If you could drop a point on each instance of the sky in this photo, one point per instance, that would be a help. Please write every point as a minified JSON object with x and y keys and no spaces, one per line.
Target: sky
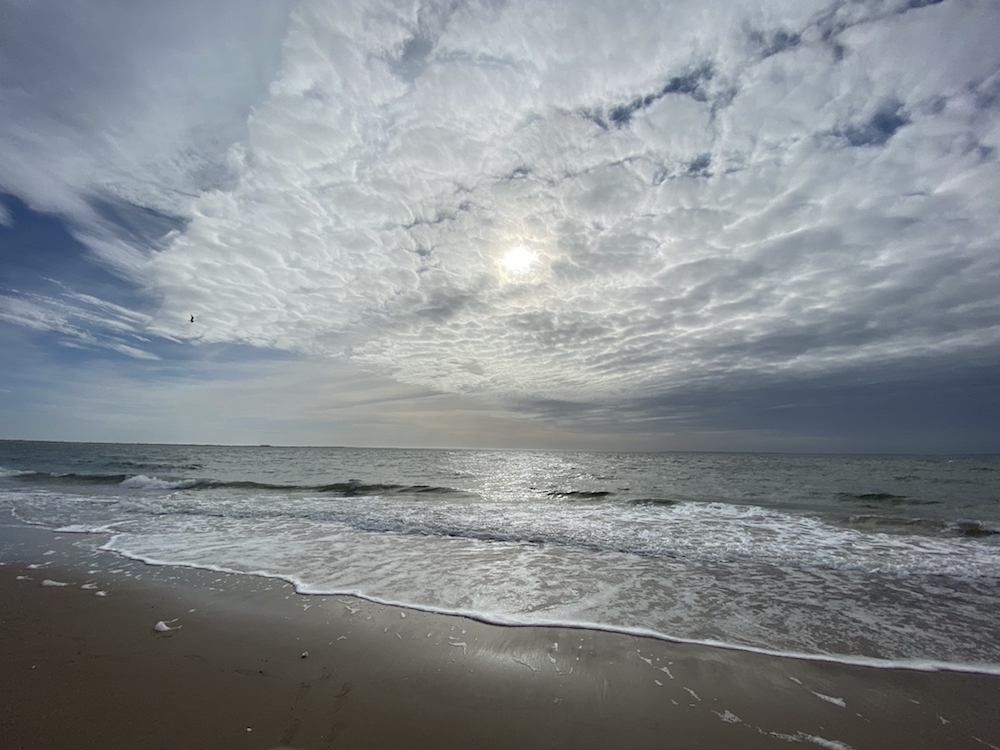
{"x":673,"y":225}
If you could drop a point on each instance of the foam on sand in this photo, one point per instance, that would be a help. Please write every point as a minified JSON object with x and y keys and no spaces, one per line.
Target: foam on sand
{"x":830,"y":699}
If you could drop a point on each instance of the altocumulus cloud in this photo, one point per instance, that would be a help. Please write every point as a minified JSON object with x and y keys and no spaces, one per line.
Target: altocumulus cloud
{"x":701,"y":194}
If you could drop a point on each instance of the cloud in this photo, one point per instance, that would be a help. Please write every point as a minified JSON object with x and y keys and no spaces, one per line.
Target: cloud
{"x":80,"y":320}
{"x":710,"y":192}
{"x":130,"y":102}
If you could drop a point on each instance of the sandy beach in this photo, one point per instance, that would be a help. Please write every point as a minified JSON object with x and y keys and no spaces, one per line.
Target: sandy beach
{"x":97,"y":651}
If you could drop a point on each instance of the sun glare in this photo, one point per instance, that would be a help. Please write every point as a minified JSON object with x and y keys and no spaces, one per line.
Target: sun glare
{"x":518,"y":260}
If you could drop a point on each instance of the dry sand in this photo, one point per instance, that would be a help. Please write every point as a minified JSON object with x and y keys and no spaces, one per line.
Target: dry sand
{"x":83,"y":670}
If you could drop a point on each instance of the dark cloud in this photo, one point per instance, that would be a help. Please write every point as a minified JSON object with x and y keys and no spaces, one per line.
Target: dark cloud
{"x":887,"y":409}
{"x":914,"y":4}
{"x":775,"y":42}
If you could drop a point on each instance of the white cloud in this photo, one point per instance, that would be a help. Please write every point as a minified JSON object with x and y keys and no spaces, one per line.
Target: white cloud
{"x":713,"y":189}
{"x":128,"y":101}
{"x":80,"y":320}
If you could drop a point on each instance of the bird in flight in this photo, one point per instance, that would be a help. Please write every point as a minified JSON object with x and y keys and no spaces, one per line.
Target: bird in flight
{"x":192,"y":318}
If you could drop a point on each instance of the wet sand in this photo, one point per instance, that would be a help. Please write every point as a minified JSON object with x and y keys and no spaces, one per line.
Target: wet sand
{"x":82,"y":665}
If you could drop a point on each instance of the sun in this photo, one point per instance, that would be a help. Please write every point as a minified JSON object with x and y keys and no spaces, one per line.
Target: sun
{"x":518,"y":260}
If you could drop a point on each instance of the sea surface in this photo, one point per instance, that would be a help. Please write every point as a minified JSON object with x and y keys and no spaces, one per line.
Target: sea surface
{"x":887,"y":560}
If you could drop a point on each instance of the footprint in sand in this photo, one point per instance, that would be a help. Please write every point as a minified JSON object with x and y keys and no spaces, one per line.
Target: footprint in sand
{"x":289,"y":733}
{"x":302,"y":692}
{"x":338,"y":703}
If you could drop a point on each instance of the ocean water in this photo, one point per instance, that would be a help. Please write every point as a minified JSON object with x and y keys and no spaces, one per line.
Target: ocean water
{"x":889,"y":560}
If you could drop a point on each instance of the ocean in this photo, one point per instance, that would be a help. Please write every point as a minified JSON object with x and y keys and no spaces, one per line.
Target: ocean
{"x":882,"y":560}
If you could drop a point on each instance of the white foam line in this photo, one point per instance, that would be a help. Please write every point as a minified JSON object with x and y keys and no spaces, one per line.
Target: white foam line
{"x":829,"y":744}
{"x":107,"y":528}
{"x":830,"y":699}
{"x":915,"y":665}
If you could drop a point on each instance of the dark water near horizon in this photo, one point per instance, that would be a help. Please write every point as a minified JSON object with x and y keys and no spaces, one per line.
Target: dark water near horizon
{"x":885,"y":558}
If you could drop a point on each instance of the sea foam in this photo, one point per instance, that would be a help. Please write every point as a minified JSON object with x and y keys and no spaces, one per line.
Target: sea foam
{"x":141,"y":481}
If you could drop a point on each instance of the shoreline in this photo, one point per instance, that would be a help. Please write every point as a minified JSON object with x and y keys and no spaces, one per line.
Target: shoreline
{"x":83,"y":670}
{"x":871,"y":662}
{"x":920,"y":663}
